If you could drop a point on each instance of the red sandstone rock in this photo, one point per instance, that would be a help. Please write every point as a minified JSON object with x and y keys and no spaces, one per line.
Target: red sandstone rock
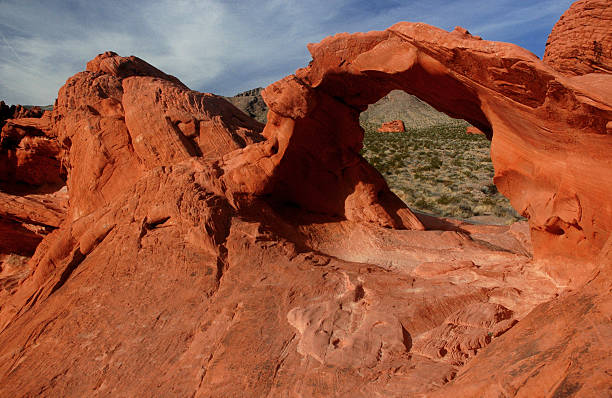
{"x":259,"y":300}
{"x":473,"y":130}
{"x":559,"y":194}
{"x":32,"y":203}
{"x":196,"y":259}
{"x":580,"y":42}
{"x":6,"y":112}
{"x":544,"y":354}
{"x":29,"y":153}
{"x":395,"y":126}
{"x":18,"y":112}
{"x":33,"y":112}
{"x":123,"y":117}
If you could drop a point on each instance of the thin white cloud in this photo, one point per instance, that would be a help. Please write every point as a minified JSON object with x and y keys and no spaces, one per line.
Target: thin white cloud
{"x":525,"y":17}
{"x":214,"y":45}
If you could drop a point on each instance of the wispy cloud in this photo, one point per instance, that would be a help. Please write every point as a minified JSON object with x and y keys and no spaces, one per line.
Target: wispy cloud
{"x":223,"y":46}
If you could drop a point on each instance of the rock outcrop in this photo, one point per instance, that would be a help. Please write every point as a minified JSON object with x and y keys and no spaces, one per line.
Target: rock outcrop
{"x":32,"y":200}
{"x":581,"y":42}
{"x":395,"y":126}
{"x":29,"y":152}
{"x":89,"y":127}
{"x":18,"y":112}
{"x":198,"y":255}
{"x":6,"y":112}
{"x":123,"y":117}
{"x":499,"y":88}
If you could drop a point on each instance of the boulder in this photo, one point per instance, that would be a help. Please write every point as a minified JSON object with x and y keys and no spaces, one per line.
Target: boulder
{"x":395,"y":126}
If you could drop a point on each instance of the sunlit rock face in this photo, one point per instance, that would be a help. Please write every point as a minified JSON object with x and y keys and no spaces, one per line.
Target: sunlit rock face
{"x":193,"y":252}
{"x":580,"y":42}
{"x":536,"y":117}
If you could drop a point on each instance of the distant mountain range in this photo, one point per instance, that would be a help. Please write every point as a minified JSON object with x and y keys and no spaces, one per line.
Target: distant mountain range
{"x":397,"y":105}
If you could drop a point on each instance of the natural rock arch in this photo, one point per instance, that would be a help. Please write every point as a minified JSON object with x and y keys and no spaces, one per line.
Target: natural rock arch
{"x":536,"y":117}
{"x":188,"y":293}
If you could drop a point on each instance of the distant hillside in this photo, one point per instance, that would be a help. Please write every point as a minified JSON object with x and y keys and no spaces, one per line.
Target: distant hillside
{"x":43,"y":107}
{"x":397,"y":105}
{"x":251,"y":103}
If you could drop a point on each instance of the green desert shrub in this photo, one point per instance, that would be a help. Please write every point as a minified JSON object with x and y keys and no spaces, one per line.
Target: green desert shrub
{"x":423,"y":165}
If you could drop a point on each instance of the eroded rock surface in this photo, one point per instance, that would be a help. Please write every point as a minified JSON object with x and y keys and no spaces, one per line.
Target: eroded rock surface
{"x":199,"y":256}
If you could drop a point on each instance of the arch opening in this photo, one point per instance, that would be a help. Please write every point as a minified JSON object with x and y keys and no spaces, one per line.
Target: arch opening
{"x":433,"y":162}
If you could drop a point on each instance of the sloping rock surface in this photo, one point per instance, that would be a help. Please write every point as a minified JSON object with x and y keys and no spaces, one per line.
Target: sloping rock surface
{"x":201,"y":256}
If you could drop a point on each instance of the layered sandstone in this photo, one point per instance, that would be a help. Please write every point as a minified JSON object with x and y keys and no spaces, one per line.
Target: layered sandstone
{"x":201,"y":256}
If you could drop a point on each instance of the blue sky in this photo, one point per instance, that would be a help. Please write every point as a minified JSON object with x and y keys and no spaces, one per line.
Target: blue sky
{"x":227,"y":46}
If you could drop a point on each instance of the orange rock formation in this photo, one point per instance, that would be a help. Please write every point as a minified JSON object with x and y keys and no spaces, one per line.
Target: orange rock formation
{"x":580,"y":43}
{"x":200,"y":254}
{"x":395,"y":126}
